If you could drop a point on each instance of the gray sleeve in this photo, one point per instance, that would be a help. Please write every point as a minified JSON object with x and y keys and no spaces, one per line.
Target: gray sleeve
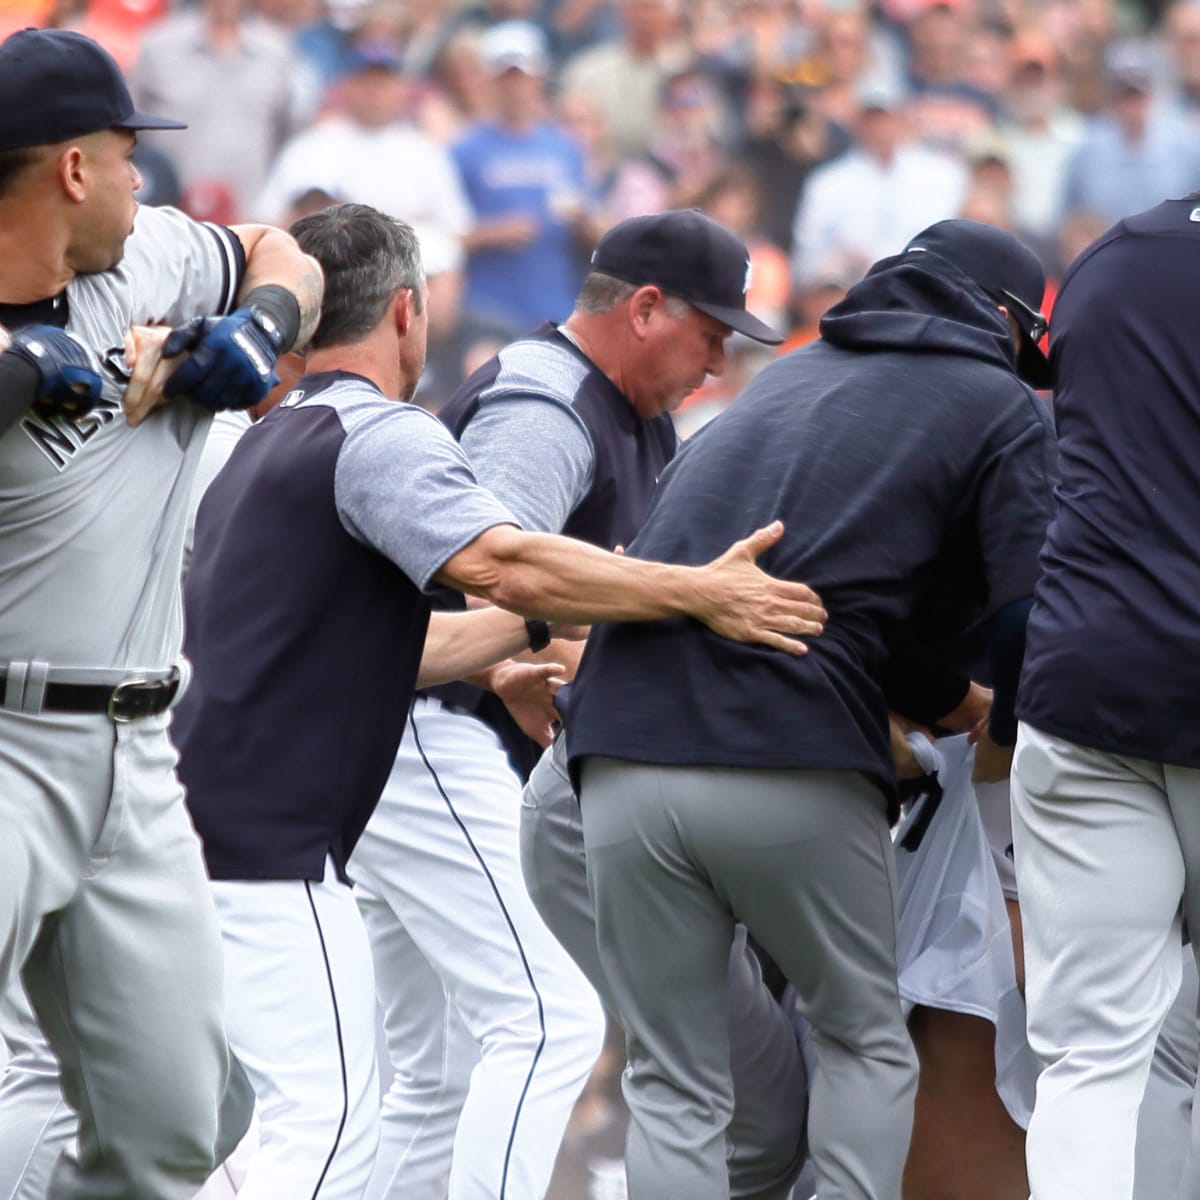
{"x":535,"y":454}
{"x":404,"y":486}
{"x":180,"y":268}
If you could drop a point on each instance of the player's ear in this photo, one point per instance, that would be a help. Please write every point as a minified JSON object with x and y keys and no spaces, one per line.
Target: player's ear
{"x":404,"y":310}
{"x":642,"y":304}
{"x":72,"y":172}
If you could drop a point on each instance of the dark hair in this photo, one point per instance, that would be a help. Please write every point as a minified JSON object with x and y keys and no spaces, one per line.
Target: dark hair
{"x":367,"y":257}
{"x":13,"y":163}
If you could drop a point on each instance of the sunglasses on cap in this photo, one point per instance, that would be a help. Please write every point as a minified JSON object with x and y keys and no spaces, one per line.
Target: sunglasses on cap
{"x":1034,"y":323}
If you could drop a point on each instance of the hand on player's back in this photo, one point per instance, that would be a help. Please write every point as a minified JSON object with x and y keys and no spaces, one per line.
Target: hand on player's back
{"x":740,"y":601}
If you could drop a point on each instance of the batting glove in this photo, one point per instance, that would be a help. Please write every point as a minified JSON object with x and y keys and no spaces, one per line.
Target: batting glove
{"x":231,"y":360}
{"x":69,"y":381}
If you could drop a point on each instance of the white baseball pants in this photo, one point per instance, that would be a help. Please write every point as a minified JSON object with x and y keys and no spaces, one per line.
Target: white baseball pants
{"x":300,"y":1012}
{"x":452,"y":928}
{"x":1106,"y":847}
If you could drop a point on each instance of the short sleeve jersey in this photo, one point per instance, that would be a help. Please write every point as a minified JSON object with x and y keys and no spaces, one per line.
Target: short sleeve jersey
{"x":93,"y":512}
{"x":307,"y":618}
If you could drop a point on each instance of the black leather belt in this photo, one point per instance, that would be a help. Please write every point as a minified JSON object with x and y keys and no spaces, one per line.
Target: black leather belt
{"x":129,"y":700}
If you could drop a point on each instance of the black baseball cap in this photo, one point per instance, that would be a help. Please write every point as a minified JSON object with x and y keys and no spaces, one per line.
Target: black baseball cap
{"x":690,"y":256}
{"x":56,"y":84}
{"x":1007,"y":270}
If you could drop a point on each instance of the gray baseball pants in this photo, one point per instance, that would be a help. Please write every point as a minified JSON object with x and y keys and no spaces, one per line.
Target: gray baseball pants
{"x":1105,"y":846}
{"x":677,"y":855}
{"x":105,"y":911}
{"x":766,"y":1134}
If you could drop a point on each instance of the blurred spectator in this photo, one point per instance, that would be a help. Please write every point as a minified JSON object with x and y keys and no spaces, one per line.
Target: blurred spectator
{"x":945,"y":108}
{"x":1181,"y":26}
{"x":524,"y":178}
{"x":625,"y":75}
{"x":228,"y":74}
{"x":325,"y":45}
{"x":789,"y":135}
{"x":578,"y":24}
{"x":850,"y":56}
{"x":688,"y":149}
{"x":1082,"y":30}
{"x":733,"y":198}
{"x":117,"y":25}
{"x":750,"y":39}
{"x":866,"y":204}
{"x":1133,"y":155}
{"x":457,"y":90}
{"x":1039,"y":131}
{"x":369,"y":155}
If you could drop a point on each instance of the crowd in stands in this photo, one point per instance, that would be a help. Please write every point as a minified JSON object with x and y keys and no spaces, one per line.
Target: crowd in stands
{"x":511,"y":133}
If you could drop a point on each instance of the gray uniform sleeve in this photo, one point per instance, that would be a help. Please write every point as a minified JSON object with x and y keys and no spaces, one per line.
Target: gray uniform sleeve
{"x":404,"y":486}
{"x":180,"y":268}
{"x":535,"y":455}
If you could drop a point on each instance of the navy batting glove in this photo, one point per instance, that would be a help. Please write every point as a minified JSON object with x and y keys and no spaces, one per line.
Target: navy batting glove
{"x":68,"y":375}
{"x":230,"y":360}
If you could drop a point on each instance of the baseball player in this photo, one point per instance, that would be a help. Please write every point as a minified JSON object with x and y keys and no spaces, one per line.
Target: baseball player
{"x":103,"y":903}
{"x":570,"y":429}
{"x":305,"y":666}
{"x":761,"y":790}
{"x":1106,"y":772}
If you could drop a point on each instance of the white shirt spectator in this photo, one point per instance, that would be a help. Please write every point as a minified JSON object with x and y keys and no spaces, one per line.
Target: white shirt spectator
{"x":857,"y":208}
{"x":394,"y":168}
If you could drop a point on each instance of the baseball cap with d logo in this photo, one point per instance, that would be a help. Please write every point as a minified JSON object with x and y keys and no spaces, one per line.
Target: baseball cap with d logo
{"x":56,"y":84}
{"x":690,"y":256}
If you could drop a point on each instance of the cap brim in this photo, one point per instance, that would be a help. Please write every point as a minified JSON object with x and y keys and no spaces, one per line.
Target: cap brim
{"x":141,"y":120}
{"x":1032,"y":365}
{"x":740,"y":321}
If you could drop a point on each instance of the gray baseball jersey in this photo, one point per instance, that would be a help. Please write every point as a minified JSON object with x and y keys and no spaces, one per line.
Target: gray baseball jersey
{"x":75,"y":524}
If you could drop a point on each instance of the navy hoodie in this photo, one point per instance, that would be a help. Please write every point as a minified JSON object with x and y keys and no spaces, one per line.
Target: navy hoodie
{"x":913,"y":472}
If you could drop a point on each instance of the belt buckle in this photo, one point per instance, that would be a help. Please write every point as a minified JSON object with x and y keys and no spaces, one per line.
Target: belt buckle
{"x":115,"y":712}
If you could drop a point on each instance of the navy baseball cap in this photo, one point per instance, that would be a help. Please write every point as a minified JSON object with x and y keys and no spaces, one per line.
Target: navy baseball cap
{"x":56,"y":84}
{"x":1007,"y":270}
{"x":690,"y":256}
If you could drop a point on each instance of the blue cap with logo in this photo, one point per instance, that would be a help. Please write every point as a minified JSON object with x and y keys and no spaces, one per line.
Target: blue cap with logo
{"x":690,"y":256}
{"x":56,"y":84}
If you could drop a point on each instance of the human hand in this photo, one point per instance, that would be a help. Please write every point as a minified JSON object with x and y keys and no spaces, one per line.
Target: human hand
{"x":739,"y":601}
{"x":230,"y":361}
{"x":527,"y":690}
{"x":66,"y":375}
{"x":993,"y":763}
{"x":149,"y":370}
{"x":512,"y":232}
{"x":971,"y":714}
{"x":904,"y":762}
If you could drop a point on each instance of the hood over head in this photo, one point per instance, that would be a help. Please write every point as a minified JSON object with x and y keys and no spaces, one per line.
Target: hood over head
{"x":943,"y":294}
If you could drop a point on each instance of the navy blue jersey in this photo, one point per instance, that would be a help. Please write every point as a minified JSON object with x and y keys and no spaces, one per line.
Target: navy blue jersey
{"x":306,"y":619}
{"x":627,"y":453}
{"x":1111,"y":657}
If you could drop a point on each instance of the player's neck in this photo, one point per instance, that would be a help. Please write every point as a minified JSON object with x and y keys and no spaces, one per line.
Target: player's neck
{"x":32,"y":259}
{"x":366,"y":358}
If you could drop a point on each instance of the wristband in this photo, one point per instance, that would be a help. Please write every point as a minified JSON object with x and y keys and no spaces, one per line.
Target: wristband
{"x":278,"y":312}
{"x":539,"y":634}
